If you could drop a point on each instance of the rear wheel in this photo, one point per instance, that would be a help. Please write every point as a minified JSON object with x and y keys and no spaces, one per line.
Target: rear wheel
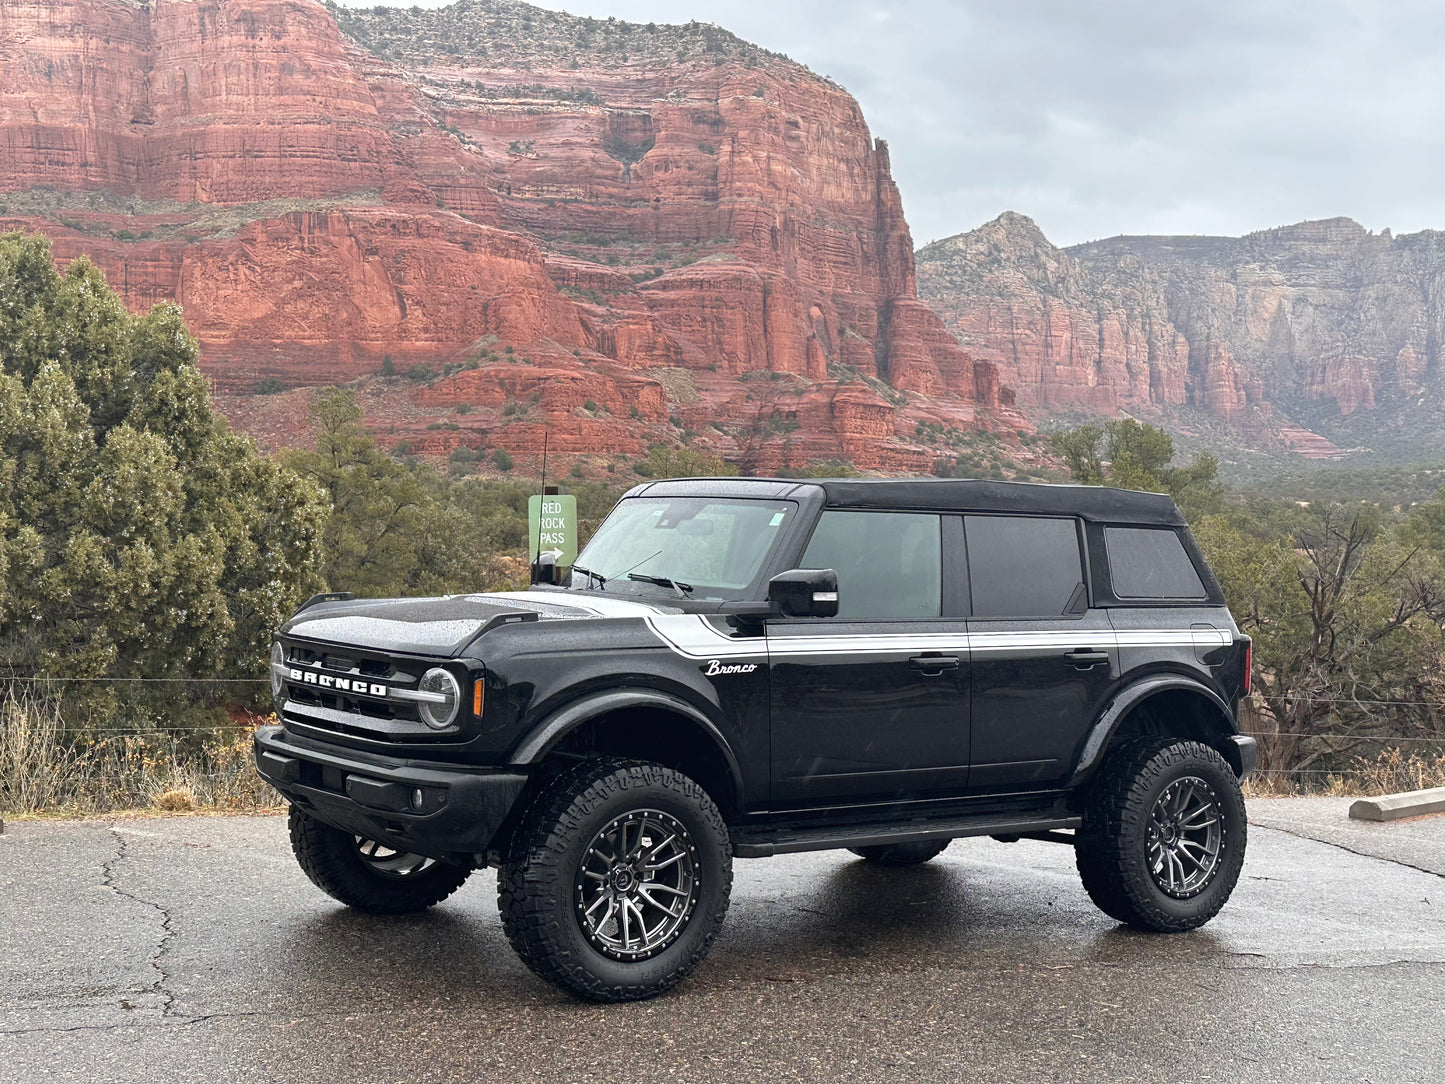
{"x":618,"y":880}
{"x":1164,"y":835}
{"x":903,"y":854}
{"x":367,"y":875}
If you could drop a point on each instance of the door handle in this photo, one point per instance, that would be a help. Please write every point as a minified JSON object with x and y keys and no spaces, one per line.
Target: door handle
{"x":1085,"y":658}
{"x":934,"y":664}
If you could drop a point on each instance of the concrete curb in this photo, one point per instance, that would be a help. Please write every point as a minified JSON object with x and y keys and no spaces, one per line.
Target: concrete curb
{"x":1415,"y":803}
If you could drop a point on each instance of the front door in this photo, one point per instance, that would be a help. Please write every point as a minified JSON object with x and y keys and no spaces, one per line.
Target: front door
{"x":1043,"y":661}
{"x":872,"y":705}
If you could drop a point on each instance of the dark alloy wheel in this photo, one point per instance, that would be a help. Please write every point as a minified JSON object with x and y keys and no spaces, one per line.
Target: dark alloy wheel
{"x":903,"y":854}
{"x":1185,"y":837}
{"x":1164,"y":834}
{"x":618,"y":879}
{"x":367,"y":875}
{"x":637,"y":885}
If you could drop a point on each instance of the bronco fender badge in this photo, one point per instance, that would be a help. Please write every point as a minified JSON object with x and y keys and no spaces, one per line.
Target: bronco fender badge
{"x":714,"y":668}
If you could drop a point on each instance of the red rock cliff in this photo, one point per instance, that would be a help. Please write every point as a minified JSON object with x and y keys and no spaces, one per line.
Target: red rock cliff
{"x":1321,"y":322}
{"x":652,"y":215}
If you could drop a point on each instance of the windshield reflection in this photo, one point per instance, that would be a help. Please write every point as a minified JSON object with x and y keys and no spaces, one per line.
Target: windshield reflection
{"x":698,"y":546}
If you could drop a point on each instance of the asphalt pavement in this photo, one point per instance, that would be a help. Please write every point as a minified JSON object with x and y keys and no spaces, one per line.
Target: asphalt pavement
{"x":192,"y":948}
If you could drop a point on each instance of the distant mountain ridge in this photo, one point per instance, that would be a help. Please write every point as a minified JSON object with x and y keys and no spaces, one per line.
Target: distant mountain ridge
{"x":1322,"y":323}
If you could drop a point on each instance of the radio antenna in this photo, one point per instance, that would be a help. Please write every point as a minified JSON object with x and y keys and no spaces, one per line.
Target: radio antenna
{"x":542,"y":507}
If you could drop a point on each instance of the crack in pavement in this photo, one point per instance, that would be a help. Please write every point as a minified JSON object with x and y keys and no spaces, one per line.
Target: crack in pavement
{"x":1347,"y":850}
{"x":161,"y":985}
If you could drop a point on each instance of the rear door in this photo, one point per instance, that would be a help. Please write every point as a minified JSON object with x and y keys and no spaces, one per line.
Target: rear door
{"x":873,"y":704}
{"x":1043,"y":660}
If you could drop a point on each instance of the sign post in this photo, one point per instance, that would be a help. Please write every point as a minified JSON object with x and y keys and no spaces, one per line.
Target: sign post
{"x":552,"y":527}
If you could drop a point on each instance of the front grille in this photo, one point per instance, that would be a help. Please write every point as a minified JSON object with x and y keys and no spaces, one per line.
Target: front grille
{"x":339,"y":710}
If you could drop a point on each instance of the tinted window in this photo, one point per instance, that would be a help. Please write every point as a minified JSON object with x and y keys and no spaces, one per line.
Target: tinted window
{"x":1021,"y":566}
{"x":1146,"y":563}
{"x":889,"y":564}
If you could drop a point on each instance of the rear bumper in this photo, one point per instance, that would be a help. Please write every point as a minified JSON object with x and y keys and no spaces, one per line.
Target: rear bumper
{"x":438,"y":810}
{"x":1245,"y":754}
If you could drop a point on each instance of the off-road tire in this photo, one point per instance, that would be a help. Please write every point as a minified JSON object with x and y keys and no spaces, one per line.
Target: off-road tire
{"x":1112,"y":847}
{"x":331,"y":859}
{"x":903,"y":854}
{"x":536,"y":886}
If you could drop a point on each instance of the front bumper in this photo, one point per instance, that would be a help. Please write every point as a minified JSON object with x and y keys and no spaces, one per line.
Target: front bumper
{"x":438,"y":810}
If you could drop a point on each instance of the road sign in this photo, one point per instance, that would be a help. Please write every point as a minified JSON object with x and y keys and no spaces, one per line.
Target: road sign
{"x":552,"y":522}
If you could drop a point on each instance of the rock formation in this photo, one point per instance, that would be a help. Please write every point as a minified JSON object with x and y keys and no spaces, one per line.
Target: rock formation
{"x":1323,"y":323}
{"x":584,"y":224}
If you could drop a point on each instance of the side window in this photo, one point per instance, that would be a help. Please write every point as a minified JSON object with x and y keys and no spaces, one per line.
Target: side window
{"x":1022,"y":566}
{"x":1151,"y":563}
{"x":889,"y":564}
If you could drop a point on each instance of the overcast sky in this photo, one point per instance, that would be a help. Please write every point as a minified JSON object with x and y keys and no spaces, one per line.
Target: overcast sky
{"x":1131,"y":116}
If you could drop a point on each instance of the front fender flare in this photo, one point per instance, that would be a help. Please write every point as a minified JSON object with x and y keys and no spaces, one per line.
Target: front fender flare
{"x":540,"y":740}
{"x":1128,"y":698}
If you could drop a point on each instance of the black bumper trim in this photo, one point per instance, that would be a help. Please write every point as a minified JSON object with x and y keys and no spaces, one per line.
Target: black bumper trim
{"x":1248,"y":750}
{"x":461,"y":809}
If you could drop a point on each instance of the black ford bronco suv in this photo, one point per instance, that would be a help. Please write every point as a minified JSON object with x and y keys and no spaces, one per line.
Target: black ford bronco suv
{"x":748,"y":667}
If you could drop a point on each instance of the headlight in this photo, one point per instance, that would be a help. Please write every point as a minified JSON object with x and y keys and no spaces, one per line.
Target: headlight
{"x":443,"y":698}
{"x":278,"y":675}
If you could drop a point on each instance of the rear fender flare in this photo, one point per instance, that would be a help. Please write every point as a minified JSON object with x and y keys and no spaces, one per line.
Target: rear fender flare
{"x":1126,"y":701}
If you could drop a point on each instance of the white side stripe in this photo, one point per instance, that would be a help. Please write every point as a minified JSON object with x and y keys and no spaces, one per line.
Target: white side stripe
{"x":695,"y":637}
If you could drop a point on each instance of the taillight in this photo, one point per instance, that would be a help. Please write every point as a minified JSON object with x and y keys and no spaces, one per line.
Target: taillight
{"x":1248,"y":666}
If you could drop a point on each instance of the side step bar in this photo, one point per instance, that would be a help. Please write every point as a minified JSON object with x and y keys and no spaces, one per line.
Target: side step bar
{"x":762,"y":842}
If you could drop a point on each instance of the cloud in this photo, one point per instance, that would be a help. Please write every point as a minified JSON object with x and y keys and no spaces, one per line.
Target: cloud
{"x":1137,"y":116}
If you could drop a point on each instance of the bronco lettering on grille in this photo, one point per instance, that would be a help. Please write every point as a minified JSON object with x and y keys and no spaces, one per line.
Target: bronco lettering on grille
{"x":340,"y":684}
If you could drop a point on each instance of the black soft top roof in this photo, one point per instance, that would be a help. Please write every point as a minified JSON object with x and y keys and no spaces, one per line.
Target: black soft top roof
{"x":1097,"y":503}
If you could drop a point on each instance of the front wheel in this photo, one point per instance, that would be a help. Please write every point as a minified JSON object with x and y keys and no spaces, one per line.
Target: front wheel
{"x":1164,"y":833}
{"x":367,"y":875}
{"x":618,"y":880}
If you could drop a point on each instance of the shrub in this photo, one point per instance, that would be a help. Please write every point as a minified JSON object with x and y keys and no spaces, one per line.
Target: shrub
{"x":270,"y":386}
{"x":503,"y":459}
{"x":420,"y":373}
{"x":140,"y":536}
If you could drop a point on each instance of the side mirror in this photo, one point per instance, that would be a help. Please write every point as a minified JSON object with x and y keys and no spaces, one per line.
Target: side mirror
{"x":805,"y":592}
{"x":545,"y":570}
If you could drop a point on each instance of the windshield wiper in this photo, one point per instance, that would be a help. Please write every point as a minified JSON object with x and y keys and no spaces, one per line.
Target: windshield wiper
{"x":601,"y":579}
{"x":682,"y":589}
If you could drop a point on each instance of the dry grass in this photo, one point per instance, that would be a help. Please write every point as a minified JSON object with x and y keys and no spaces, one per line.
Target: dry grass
{"x":1392,"y":772}
{"x":46,"y":767}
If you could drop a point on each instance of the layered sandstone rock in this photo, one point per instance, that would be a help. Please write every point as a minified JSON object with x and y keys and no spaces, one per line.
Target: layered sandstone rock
{"x":1065,"y":335}
{"x":1323,"y":320}
{"x":553,"y":206}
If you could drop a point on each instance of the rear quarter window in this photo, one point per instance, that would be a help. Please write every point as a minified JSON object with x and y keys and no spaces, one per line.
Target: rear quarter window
{"x":1022,"y":566}
{"x":1151,"y":563}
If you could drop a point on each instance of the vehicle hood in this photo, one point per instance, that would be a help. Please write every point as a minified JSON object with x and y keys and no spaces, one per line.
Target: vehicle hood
{"x":445,"y":626}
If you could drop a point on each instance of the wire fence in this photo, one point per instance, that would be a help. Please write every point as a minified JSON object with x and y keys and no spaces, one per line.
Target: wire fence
{"x":210,"y":728}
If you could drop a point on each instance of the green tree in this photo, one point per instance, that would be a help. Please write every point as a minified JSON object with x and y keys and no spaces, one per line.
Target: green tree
{"x":139,"y":536}
{"x":665,"y":462}
{"x":1080,"y":449}
{"x":400,"y":529}
{"x":1129,"y":455}
{"x":375,"y":501}
{"x":1345,"y":611}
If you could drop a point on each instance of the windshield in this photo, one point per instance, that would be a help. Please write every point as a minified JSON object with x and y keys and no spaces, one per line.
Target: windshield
{"x":708,"y":546}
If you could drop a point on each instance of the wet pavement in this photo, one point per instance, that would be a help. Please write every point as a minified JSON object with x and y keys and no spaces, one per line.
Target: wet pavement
{"x":193,"y":948}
